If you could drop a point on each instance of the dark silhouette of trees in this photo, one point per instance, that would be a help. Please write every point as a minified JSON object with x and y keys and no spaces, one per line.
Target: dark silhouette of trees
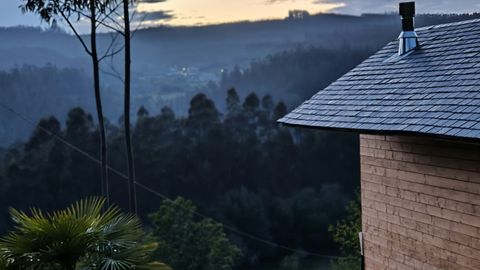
{"x":279,"y":111}
{"x":202,"y":113}
{"x":241,"y":168}
{"x":233,"y":102}
{"x":39,"y":136}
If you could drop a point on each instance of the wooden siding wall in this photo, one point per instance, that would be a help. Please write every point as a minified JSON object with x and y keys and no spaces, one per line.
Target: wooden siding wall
{"x":420,"y":202}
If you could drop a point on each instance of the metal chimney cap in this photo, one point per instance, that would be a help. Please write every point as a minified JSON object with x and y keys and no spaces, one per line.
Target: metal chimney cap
{"x":408,"y":39}
{"x":407,"y":9}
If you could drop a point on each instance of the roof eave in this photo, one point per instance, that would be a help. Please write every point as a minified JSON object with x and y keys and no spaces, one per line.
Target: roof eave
{"x":383,"y":132}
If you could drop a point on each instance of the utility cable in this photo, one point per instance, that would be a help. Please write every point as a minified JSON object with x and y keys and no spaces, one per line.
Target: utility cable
{"x":161,"y":195}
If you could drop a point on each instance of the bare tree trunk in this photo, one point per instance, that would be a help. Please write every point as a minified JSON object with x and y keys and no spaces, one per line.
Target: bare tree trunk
{"x":98,"y":102}
{"x":132,"y":196}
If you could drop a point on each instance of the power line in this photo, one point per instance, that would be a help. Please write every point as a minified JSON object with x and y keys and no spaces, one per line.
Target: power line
{"x":161,"y":195}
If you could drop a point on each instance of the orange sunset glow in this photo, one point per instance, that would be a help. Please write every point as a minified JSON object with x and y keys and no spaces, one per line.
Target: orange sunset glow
{"x":187,"y":12}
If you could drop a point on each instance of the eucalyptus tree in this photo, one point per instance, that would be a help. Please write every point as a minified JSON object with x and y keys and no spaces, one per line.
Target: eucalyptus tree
{"x":112,"y":23}
{"x":96,"y":12}
{"x":126,"y":112}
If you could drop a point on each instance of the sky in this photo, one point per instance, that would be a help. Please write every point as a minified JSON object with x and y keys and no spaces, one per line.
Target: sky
{"x":201,"y":12}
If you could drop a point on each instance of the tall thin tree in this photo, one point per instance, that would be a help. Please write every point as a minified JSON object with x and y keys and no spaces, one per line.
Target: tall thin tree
{"x":111,"y":22}
{"x":127,"y":88}
{"x":69,"y":12}
{"x":98,"y":100}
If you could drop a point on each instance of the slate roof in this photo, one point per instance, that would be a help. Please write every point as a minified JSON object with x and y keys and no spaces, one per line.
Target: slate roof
{"x":432,"y":90}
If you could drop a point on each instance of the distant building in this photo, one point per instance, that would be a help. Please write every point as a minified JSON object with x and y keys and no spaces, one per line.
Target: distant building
{"x":298,"y":14}
{"x":416,"y":104}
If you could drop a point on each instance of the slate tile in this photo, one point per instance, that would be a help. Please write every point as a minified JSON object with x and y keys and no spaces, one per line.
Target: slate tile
{"x":433,"y":90}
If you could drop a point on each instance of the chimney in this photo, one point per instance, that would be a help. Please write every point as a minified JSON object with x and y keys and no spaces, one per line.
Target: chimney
{"x":408,"y":39}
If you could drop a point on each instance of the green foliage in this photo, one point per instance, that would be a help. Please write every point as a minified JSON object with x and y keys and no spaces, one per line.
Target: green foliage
{"x":190,"y":244}
{"x":290,"y":263}
{"x":247,"y":211}
{"x":3,"y":263}
{"x":345,"y":234}
{"x":81,"y":236}
{"x":240,"y":168}
{"x":347,"y":263}
{"x":49,"y":11}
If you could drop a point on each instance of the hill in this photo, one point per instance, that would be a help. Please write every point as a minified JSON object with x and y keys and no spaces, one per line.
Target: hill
{"x":289,"y":59}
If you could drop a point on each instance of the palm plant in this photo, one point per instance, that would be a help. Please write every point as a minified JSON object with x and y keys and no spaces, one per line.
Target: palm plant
{"x":79,"y":237}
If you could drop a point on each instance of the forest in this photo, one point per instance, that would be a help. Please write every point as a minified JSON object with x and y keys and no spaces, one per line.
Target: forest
{"x":290,"y":59}
{"x":291,"y":76}
{"x":238,"y":167}
{"x":294,"y":75}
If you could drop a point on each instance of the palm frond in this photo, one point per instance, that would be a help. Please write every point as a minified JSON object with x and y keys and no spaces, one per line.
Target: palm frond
{"x":82,"y":234}
{"x":155,"y":266}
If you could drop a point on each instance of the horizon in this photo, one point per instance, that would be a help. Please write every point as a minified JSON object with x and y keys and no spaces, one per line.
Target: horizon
{"x":44,"y":27}
{"x":214,"y":12}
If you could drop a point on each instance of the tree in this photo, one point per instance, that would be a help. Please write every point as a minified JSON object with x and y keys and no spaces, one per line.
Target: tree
{"x":142,"y":112}
{"x":167,"y":114}
{"x":266,"y":113}
{"x":79,"y":125}
{"x":132,"y":194}
{"x":290,"y":263}
{"x":247,"y":211}
{"x":79,"y":236}
{"x":187,"y":243}
{"x":251,"y":107}
{"x":79,"y":176}
{"x":279,"y":111}
{"x":251,"y":103}
{"x":279,"y":171}
{"x":267,"y":103}
{"x":233,"y":102}
{"x":202,"y":112}
{"x":69,"y":11}
{"x":345,"y":233}
{"x":39,"y":136}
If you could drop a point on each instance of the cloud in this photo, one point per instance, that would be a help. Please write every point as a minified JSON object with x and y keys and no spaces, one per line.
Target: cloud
{"x":159,"y":15}
{"x":425,"y":6}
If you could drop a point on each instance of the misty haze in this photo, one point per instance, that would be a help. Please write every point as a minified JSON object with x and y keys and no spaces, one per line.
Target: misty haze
{"x":184,"y":145}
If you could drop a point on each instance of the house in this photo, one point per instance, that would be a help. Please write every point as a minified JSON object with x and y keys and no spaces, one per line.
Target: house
{"x":416,"y":106}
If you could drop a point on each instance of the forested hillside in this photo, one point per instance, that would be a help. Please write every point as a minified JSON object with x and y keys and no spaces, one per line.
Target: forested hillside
{"x":289,"y":59}
{"x":41,"y":91}
{"x":295,"y":75}
{"x":212,"y":47}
